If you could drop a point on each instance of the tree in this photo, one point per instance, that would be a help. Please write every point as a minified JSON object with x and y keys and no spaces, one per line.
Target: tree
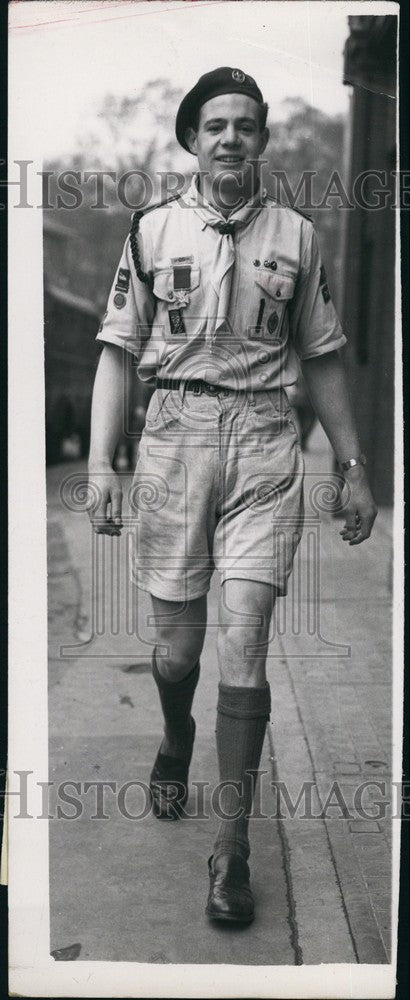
{"x":137,"y":134}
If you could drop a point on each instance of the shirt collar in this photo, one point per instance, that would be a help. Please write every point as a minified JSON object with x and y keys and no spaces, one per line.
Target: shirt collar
{"x":194,"y":198}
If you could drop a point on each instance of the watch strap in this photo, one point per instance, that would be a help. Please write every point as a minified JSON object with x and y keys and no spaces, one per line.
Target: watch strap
{"x":351,"y":462}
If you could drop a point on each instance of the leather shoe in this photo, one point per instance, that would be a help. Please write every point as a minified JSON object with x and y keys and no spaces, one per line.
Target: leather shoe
{"x":169,"y":784}
{"x":230,"y":896}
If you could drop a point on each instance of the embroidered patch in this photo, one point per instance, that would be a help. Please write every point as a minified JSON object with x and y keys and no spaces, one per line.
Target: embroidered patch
{"x":119,"y":300}
{"x":176,"y":323}
{"x":273,"y":322}
{"x":123,"y":280}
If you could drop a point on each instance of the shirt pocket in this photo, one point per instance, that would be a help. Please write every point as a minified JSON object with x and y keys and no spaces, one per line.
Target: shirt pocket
{"x":272,"y":294}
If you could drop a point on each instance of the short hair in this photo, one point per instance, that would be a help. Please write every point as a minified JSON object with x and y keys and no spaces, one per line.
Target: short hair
{"x":262,"y":110}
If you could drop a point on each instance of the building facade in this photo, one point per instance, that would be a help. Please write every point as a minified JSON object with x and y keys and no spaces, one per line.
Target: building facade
{"x":369,"y":282}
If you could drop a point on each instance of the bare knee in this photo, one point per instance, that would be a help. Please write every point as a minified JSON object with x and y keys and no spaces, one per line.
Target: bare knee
{"x":178,"y":649}
{"x":242,"y":655}
{"x":180,"y":633}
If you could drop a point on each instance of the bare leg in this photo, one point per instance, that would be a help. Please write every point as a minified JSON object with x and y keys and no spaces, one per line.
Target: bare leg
{"x":180,"y":627}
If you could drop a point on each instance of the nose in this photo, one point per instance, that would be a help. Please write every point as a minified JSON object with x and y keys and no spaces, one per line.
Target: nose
{"x":230,"y":136}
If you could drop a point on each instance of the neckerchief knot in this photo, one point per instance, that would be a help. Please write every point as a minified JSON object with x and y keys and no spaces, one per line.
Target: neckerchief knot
{"x":226,"y":228}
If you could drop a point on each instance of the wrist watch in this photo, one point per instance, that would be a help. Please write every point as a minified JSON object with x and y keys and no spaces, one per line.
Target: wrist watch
{"x":351,"y":462}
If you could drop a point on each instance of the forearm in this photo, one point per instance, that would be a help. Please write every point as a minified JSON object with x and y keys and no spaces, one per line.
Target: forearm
{"x":107,"y":406}
{"x":327,"y":387}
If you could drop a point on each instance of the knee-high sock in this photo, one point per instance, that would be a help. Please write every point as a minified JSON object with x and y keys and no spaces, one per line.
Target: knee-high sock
{"x":240,"y":729}
{"x":176,"y":701}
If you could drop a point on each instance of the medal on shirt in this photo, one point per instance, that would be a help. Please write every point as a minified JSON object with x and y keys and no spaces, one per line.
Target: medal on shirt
{"x":181,"y":268}
{"x":181,"y":284}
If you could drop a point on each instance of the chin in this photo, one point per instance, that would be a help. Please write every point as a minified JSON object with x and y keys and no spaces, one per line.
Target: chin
{"x":230,"y":177}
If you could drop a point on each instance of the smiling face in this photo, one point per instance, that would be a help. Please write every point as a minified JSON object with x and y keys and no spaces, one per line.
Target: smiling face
{"x":228,"y":138}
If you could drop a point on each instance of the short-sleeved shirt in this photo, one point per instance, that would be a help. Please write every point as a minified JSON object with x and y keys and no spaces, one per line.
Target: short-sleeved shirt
{"x":279,"y":303}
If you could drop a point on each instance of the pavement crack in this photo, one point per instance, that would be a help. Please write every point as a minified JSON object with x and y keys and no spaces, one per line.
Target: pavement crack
{"x":285,"y":852}
{"x":330,"y":846}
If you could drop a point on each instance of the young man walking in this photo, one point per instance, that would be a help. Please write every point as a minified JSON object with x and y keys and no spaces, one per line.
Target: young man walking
{"x":216,"y":293}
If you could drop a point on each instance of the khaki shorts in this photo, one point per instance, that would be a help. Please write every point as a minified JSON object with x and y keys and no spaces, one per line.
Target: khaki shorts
{"x":218,"y":484}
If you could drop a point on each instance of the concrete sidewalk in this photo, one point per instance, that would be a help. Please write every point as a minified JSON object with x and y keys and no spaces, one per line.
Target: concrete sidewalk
{"x":135,"y":890}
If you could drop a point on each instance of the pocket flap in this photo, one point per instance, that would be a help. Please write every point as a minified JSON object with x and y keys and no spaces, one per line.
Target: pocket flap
{"x":164,"y":284}
{"x":279,"y":286}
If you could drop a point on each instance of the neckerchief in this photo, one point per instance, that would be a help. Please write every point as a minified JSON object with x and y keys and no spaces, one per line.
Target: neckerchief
{"x":224,"y":255}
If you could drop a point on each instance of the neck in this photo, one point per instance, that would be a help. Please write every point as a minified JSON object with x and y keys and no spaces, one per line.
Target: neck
{"x":226,"y":196}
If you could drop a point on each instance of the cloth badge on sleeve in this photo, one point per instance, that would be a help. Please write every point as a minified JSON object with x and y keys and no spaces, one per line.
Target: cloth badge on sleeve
{"x":123,"y":280}
{"x":119,"y":300}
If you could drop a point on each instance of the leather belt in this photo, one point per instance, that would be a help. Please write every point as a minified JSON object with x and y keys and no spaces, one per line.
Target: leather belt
{"x":197,"y":386}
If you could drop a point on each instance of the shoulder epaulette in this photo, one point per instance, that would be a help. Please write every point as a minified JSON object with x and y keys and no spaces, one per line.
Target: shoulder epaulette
{"x":144,"y":276}
{"x":291,"y":207}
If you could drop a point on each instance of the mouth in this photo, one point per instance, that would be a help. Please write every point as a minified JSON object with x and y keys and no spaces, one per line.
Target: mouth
{"x":230,"y":161}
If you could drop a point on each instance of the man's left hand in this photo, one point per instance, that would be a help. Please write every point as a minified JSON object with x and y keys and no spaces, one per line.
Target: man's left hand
{"x":361,"y":510}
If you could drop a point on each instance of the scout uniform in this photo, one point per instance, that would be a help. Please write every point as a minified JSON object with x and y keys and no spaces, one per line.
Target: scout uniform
{"x":216,"y":325}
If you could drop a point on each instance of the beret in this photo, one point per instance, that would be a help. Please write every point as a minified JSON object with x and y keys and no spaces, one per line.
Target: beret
{"x":224,"y":80}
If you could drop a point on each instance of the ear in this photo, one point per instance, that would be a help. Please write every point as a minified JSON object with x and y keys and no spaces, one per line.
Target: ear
{"x":264,"y":140}
{"x":190,"y":139}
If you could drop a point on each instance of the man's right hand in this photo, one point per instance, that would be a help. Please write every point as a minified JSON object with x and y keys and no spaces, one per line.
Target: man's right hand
{"x":105,"y":500}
